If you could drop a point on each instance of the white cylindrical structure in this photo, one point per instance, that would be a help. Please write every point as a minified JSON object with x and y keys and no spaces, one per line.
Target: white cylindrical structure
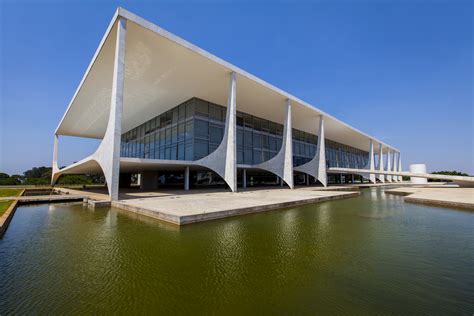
{"x":418,"y":168}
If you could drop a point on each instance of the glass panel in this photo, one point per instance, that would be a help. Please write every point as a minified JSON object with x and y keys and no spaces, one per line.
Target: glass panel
{"x":215,"y":113}
{"x":174,"y":149}
{"x":248,"y":122}
{"x":201,"y":149}
{"x":188,"y":152}
{"x":256,"y":140}
{"x":257,"y":123}
{"x":202,"y":107}
{"x":248,"y":156}
{"x":257,"y":156}
{"x":248,"y":138}
{"x":181,"y":112}
{"x":240,"y":156}
{"x":189,"y":130}
{"x":181,"y":133}
{"x":240,"y":138}
{"x":212,"y":147}
{"x":216,"y":133}
{"x":201,"y":128}
{"x":181,"y":151}
{"x":190,"y":109}
{"x":174,"y":134}
{"x":168,"y":136}
{"x":175,"y":115}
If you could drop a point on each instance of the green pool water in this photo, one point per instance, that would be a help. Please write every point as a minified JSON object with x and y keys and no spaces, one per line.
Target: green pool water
{"x":373,"y":254}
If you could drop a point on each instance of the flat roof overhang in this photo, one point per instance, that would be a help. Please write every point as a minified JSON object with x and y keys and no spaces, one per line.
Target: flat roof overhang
{"x":163,"y":70}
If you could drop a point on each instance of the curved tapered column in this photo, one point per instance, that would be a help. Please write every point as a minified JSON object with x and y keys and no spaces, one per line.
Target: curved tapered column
{"x":381,"y":177}
{"x":107,"y":154}
{"x":370,"y":164}
{"x":316,"y":167}
{"x":388,"y":177}
{"x":55,"y":167}
{"x":282,"y":164}
{"x":223,"y":160}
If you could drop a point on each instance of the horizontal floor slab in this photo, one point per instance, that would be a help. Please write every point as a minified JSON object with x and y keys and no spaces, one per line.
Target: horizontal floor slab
{"x":207,"y":205}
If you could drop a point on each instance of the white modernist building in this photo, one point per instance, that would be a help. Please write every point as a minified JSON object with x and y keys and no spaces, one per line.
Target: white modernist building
{"x":175,"y":113}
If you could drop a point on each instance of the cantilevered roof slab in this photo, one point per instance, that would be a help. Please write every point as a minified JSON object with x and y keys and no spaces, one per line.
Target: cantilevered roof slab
{"x":162,"y":71}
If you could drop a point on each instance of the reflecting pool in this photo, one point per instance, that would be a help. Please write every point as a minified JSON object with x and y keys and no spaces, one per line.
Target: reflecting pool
{"x":363,"y":255}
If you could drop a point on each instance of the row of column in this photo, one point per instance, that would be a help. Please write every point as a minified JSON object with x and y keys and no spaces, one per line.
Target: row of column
{"x":391,"y":155}
{"x":223,"y":160}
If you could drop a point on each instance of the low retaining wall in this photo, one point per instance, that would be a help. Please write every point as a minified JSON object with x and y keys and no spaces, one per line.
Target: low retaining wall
{"x":6,"y":218}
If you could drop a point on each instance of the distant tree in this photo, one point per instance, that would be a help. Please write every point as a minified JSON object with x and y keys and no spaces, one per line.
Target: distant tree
{"x":9,"y":181}
{"x":451,"y":173}
{"x":4,"y":175}
{"x":38,"y":172}
{"x":36,"y":181}
{"x":96,"y":178}
{"x":74,"y":179}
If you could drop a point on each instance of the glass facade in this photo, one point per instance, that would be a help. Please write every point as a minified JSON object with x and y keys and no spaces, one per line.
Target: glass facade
{"x":194,"y":129}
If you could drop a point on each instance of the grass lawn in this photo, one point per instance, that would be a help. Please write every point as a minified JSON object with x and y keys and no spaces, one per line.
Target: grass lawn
{"x":9,"y":192}
{"x":4,"y":205}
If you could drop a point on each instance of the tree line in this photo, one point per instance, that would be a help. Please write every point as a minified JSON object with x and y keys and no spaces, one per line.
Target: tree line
{"x":42,"y":176}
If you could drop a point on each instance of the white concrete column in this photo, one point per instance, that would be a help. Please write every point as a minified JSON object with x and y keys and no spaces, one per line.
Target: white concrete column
{"x":381,"y":177}
{"x":108,"y":153}
{"x":186,"y":178}
{"x":389,"y":166}
{"x":244,"y":178}
{"x":394,"y":166}
{"x":55,"y":167}
{"x":223,"y":160}
{"x":317,"y":166}
{"x":282,"y":164}
{"x":371,"y":163}
{"x":400,"y":178}
{"x":288,"y":143}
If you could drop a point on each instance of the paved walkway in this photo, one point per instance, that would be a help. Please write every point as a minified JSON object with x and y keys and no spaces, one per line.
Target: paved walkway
{"x":448,"y":196}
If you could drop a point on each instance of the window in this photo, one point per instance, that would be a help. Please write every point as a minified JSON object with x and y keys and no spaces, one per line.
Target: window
{"x":240,"y":138}
{"x":181,"y":112}
{"x":202,"y":107}
{"x":189,"y":109}
{"x":215,"y":113}
{"x":257,"y":156}
{"x":174,"y":149}
{"x":189,"y":130}
{"x":181,"y":131}
{"x":175,"y":116}
{"x":216,"y":134}
{"x":240,"y":156}
{"x":188,"y":152}
{"x":248,"y":138}
{"x":201,"y":149}
{"x":201,"y":128}
{"x":248,"y":160}
{"x":256,"y":140}
{"x":174,"y":134}
{"x":168,"y":136}
{"x":181,"y":151}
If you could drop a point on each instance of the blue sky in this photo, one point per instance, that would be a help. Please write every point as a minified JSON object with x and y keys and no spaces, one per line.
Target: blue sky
{"x":399,"y":70}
